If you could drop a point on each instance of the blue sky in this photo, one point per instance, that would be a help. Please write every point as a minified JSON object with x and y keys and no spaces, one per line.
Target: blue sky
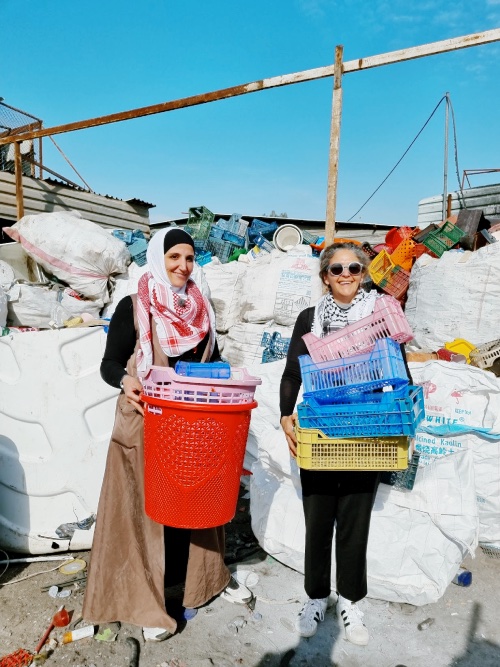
{"x":268,"y":150}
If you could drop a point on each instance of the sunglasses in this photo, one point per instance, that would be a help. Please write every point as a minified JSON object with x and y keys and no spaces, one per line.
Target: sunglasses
{"x":354,"y":268}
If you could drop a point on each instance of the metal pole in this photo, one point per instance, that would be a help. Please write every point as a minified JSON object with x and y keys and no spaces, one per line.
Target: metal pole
{"x":333,"y":164}
{"x":445,"y":167}
{"x":18,"y":166}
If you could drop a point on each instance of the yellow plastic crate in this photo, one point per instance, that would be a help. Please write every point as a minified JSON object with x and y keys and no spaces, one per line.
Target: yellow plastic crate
{"x":315,"y":451}
{"x":460,"y":346}
{"x":381,"y":266}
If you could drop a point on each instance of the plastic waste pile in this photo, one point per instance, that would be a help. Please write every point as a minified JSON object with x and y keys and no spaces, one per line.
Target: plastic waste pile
{"x":230,"y":239}
{"x":61,"y":270}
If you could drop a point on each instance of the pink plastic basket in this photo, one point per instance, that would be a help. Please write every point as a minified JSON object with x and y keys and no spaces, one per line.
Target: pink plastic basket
{"x":386,"y":321}
{"x":164,"y":383}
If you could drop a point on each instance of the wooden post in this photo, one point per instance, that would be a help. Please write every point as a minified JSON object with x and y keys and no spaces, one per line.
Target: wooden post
{"x":448,"y":207}
{"x":40,"y":157}
{"x":333,"y":164}
{"x":18,"y":166}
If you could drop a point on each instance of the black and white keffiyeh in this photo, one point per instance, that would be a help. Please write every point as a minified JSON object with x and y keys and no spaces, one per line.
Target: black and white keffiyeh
{"x":330,"y":317}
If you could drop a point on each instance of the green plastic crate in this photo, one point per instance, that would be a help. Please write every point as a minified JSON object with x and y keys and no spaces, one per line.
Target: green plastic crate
{"x":199,"y":222}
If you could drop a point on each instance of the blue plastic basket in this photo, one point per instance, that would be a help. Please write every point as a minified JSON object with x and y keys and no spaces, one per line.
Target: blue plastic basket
{"x":216,"y":232}
{"x":402,"y":479}
{"x":138,"y":251}
{"x":234,"y":224}
{"x":333,"y":381}
{"x":215,"y":369}
{"x":275,"y":347}
{"x":383,"y":413}
{"x":124,"y":235}
{"x":203,"y":257}
{"x":263,"y":244}
{"x":235,"y":239}
{"x":267,"y":229}
{"x":221,"y":249}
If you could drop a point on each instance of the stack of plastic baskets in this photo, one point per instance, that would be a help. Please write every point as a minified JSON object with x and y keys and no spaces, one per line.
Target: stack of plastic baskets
{"x":386,"y":321}
{"x":486,"y":356}
{"x":195,"y":433}
{"x":390,"y":277}
{"x":443,"y":238}
{"x":359,"y":411}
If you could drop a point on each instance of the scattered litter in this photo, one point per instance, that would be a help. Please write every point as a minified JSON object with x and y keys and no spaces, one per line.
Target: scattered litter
{"x":77,"y":565}
{"x":20,"y":658}
{"x":426,"y":624}
{"x":81,"y":633}
{"x":454,"y":613}
{"x":53,"y":591}
{"x":106,"y":636}
{"x":66,"y":530}
{"x":246,"y":578}
{"x":237,"y":624}
{"x":36,"y":559}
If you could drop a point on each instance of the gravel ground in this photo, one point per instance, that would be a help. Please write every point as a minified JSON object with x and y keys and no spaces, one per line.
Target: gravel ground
{"x":460,"y":630}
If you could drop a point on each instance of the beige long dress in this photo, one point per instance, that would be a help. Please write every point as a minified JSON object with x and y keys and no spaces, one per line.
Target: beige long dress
{"x":127,"y":566}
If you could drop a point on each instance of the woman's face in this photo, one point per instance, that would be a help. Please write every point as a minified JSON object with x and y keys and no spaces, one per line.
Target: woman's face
{"x":344,"y":287}
{"x":179,"y":262}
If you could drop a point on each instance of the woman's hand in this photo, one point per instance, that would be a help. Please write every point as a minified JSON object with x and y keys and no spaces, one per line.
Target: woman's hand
{"x":287,"y":424}
{"x":132,"y":389}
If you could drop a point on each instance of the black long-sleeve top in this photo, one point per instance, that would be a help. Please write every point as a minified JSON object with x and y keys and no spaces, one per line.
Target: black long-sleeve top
{"x":120,"y":345}
{"x":291,"y":379}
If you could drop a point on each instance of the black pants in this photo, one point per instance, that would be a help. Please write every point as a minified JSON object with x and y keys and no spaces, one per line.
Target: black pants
{"x":343,"y":500}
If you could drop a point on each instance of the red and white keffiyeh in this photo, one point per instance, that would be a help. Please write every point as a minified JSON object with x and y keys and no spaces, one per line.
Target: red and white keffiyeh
{"x":182,"y":317}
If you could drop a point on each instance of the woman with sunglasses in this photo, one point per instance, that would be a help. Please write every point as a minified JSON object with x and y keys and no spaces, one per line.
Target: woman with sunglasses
{"x":341,"y":499}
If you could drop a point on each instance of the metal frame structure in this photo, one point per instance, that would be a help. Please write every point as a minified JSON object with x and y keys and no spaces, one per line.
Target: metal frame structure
{"x":470,"y":172}
{"x":337,"y":70}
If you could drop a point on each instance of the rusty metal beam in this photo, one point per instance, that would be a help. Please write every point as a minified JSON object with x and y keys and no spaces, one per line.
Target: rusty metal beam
{"x":333,"y":163}
{"x":18,"y":166}
{"x":195,"y":100}
{"x":431,"y":49}
{"x":13,"y":132}
{"x":434,"y":48}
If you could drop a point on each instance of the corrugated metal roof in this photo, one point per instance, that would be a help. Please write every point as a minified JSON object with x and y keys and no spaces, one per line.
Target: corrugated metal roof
{"x":300,"y":222}
{"x":133,"y":201}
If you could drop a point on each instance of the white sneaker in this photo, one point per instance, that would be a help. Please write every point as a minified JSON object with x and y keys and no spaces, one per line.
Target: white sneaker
{"x":350,"y":619}
{"x":312,"y":613}
{"x":236,"y":593}
{"x":156,"y":634}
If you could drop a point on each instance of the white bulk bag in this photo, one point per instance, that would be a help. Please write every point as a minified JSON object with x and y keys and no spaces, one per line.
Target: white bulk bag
{"x":417,"y":540}
{"x":75,"y":250}
{"x":458,"y":398}
{"x":280,"y":288}
{"x":37,"y":306}
{"x":246,"y":342}
{"x":226,"y":288}
{"x":456,"y":296}
{"x":3,"y":308}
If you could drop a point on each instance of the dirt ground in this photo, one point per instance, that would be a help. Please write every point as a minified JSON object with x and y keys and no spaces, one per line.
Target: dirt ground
{"x":460,"y":630}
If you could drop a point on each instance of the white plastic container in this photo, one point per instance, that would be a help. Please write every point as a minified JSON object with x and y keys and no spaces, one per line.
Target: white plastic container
{"x":287,"y":237}
{"x":56,"y":417}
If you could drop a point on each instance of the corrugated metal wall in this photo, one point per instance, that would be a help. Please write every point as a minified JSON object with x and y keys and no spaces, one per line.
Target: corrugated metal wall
{"x":44,"y":197}
{"x":486,"y":198}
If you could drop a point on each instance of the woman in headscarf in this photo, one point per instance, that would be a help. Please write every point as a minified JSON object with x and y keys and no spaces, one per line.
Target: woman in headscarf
{"x":133,"y":557}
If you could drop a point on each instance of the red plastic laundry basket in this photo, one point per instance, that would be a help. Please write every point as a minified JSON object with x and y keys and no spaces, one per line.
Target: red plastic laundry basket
{"x":193,"y":460}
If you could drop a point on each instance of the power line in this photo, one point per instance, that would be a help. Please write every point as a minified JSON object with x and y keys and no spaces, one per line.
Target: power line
{"x":400,"y":159}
